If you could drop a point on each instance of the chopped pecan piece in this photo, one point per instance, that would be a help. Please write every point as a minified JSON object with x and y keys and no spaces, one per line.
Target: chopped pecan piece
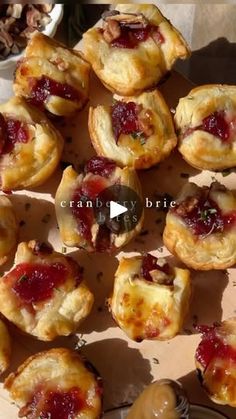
{"x":145,"y":122}
{"x":112,"y":30}
{"x":186,"y":206}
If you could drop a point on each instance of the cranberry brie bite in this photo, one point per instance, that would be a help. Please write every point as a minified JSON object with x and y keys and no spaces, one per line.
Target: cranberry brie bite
{"x":8,"y":229}
{"x":5,"y":348}
{"x":30,"y":146}
{"x":150,"y":299}
{"x":78,"y":208}
{"x":44,"y":294}
{"x":134,"y":131}
{"x":56,"y":384}
{"x":134,"y":48}
{"x":52,"y":77}
{"x":206,"y":124}
{"x":216,"y":361}
{"x":201,"y":229}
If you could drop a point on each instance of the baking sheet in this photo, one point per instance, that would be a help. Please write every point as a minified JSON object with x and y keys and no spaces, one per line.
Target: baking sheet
{"x":126,"y":366}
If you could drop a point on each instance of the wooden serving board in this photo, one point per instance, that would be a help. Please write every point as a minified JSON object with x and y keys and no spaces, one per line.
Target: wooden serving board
{"x":126,"y":367}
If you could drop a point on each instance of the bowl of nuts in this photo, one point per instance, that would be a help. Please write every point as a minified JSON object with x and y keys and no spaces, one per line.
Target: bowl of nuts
{"x":18,"y":22}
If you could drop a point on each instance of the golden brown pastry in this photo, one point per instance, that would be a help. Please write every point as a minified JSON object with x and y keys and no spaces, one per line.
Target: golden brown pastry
{"x":150,"y":299}
{"x":134,"y":131}
{"x":8,"y":229}
{"x":201,"y":229}
{"x":134,"y":49}
{"x":56,"y":384}
{"x":78,"y":212}
{"x":5,"y":348}
{"x":44,"y":294}
{"x":216,"y":361}
{"x":52,"y":77}
{"x":206,"y":123}
{"x":30,"y":146}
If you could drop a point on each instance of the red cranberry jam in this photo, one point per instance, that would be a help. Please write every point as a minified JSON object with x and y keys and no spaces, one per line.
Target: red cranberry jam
{"x":216,"y":124}
{"x":204,"y":217}
{"x":12,"y":131}
{"x":124,"y":118}
{"x":101,"y":168}
{"x":149,"y":263}
{"x":132,"y":37}
{"x":55,"y":405}
{"x":36,"y":282}
{"x":45,"y":86}
{"x":212,"y":346}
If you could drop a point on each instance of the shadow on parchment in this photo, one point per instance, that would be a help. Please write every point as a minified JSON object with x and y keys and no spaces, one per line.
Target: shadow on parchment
{"x":124,"y":371}
{"x":214,"y":63}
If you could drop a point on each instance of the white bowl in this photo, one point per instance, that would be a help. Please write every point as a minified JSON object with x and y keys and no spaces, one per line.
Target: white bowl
{"x":50,"y":30}
{"x":196,"y":412}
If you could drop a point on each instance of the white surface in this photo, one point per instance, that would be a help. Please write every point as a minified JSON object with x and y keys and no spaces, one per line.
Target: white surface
{"x":50,"y":30}
{"x":197,"y":412}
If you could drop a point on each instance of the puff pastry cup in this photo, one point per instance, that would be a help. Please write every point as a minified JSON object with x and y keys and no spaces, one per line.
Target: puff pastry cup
{"x":134,"y":131}
{"x":216,"y":361}
{"x":30,"y":146}
{"x":44,"y":294}
{"x":78,"y":224}
{"x":150,"y":299}
{"x":8,"y":229}
{"x":55,"y":384}
{"x":5,"y":347}
{"x":52,"y":76}
{"x":135,"y":48}
{"x":205,"y":120}
{"x":201,"y":229}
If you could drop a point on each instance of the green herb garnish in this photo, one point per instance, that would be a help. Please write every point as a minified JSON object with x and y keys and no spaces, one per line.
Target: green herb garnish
{"x":139,"y":136}
{"x":206,"y":213}
{"x":63,"y":249}
{"x":23,"y":278}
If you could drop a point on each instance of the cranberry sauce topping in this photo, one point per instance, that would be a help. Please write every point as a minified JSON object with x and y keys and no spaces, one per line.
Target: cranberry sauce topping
{"x":55,"y":405}
{"x":45,"y":86}
{"x":124,"y":118}
{"x":203,"y":215}
{"x":132,"y":37}
{"x":84,"y":215}
{"x":100,"y":166}
{"x":212,"y":346}
{"x":12,"y":131}
{"x":35,"y":283}
{"x":149,"y":263}
{"x":216,"y":124}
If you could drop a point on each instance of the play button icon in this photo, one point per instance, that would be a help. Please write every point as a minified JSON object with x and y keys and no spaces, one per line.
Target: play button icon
{"x":116,"y":209}
{"x":119,"y":208}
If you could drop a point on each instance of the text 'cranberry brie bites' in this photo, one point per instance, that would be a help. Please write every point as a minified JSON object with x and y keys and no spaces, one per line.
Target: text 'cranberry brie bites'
{"x":150,"y":299}
{"x":206,"y":121}
{"x":134,"y":131}
{"x":44,"y":294}
{"x":8,"y":229}
{"x":52,"y":76}
{"x":135,"y":47}
{"x":56,"y":384}
{"x":30,"y":146}
{"x":201,"y":229}
{"x":5,"y":347}
{"x":76,"y":205}
{"x":216,"y":361}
